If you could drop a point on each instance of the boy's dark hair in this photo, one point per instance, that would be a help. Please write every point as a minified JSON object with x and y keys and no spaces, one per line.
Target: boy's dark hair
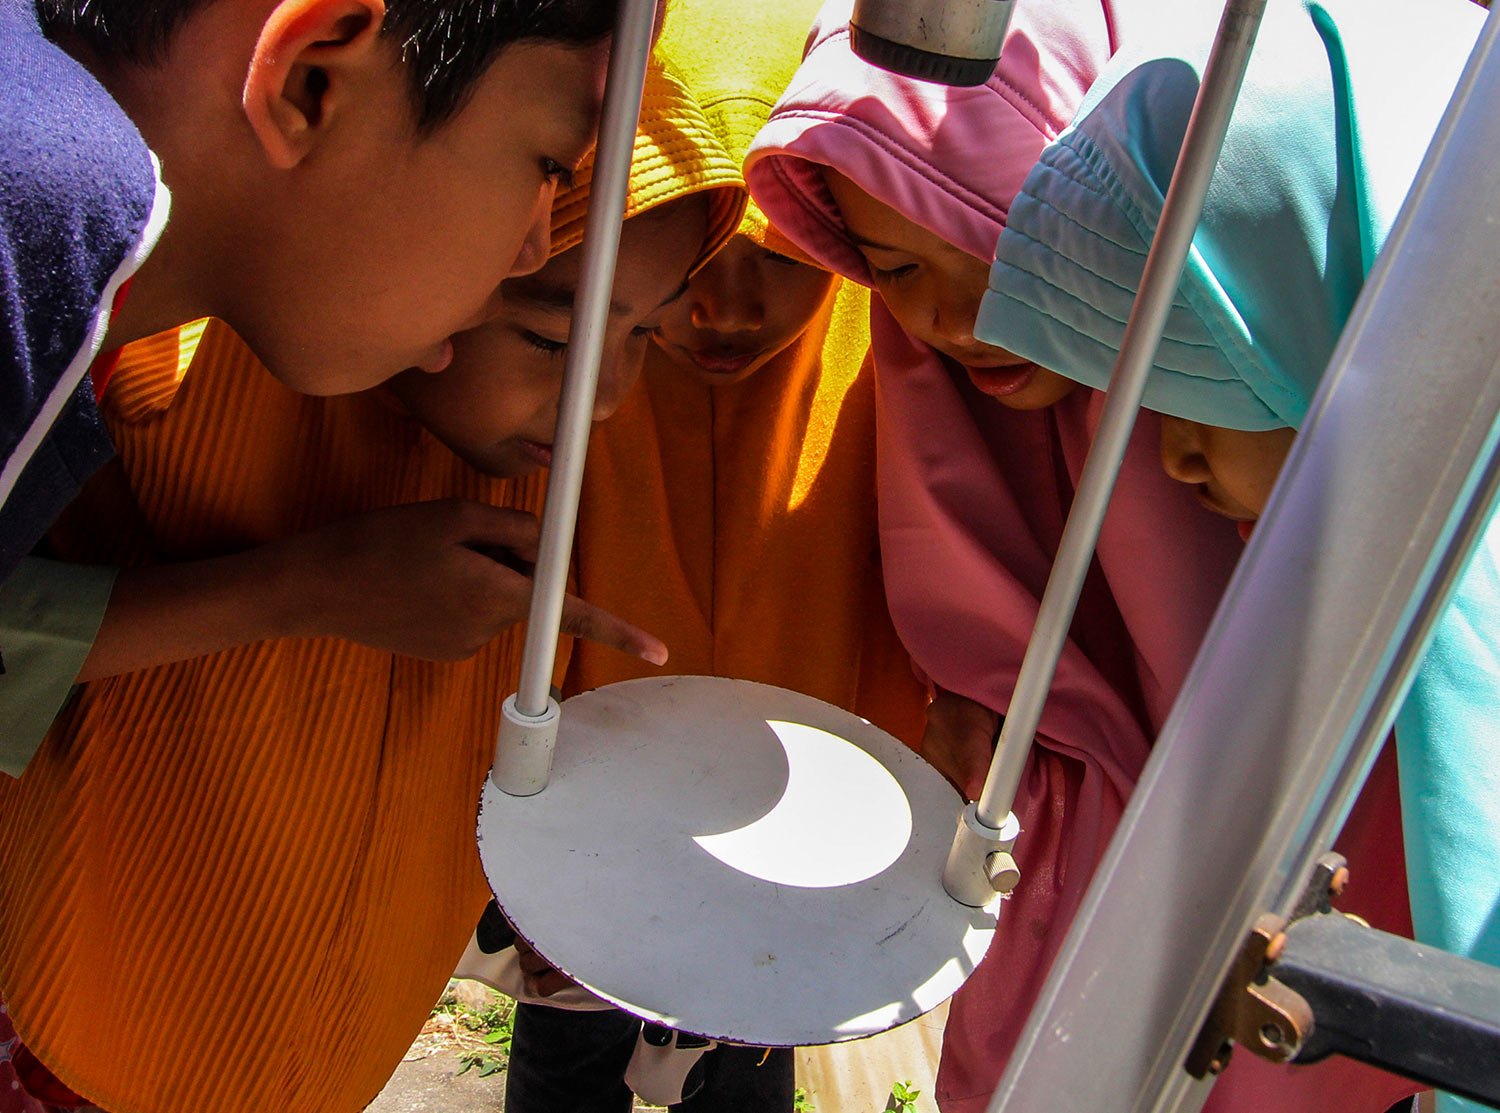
{"x":447,"y":45}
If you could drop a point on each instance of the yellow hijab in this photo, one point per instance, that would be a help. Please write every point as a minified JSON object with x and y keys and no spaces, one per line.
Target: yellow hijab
{"x":677,"y":154}
{"x":737,"y":61}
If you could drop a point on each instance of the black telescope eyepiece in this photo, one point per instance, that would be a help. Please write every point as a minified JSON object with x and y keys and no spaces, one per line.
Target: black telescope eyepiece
{"x":952,"y":42}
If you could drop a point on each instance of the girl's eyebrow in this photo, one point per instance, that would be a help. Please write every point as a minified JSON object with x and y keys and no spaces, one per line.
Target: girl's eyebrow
{"x":673,"y":296}
{"x":553,"y":299}
{"x":861,"y":241}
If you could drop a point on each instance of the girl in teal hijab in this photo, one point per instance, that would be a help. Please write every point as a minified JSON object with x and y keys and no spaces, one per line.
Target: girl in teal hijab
{"x":1339,"y":104}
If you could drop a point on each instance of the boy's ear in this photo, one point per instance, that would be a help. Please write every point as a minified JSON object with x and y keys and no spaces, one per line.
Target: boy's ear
{"x":299,"y":72}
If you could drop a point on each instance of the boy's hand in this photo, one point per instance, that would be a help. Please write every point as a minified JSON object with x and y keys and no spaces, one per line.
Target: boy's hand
{"x":409,"y":579}
{"x":413,"y":579}
{"x":960,"y":740}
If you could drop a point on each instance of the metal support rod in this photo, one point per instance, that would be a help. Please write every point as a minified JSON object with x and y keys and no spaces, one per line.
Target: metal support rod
{"x":601,"y":242}
{"x":1387,"y":486}
{"x":1381,"y":999}
{"x":1201,"y":144}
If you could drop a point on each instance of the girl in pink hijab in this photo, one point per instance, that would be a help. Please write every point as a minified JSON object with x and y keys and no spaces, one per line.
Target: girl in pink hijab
{"x":905,"y":186}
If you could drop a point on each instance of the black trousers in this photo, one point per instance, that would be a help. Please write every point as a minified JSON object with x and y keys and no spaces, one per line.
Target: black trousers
{"x":572,"y":1061}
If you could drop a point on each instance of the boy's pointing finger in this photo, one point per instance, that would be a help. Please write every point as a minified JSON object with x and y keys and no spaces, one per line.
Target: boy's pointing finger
{"x":584,"y":620}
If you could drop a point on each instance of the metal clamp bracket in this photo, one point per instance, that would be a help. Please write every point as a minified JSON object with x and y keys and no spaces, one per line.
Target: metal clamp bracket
{"x":1253,"y":1009}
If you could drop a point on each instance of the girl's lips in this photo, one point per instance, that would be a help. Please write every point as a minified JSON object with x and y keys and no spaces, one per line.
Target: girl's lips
{"x":999,"y":382}
{"x":717,"y":364}
{"x":1244,"y":525}
{"x":539,"y":454}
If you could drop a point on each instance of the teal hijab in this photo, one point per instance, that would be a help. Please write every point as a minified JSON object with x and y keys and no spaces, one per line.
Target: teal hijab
{"x":1339,"y":103}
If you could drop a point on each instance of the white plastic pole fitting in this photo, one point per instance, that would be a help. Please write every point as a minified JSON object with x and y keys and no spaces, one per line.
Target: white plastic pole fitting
{"x":968,"y":874}
{"x":523,"y":759}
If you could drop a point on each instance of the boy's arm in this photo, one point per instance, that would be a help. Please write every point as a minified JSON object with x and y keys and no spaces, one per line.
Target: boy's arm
{"x":409,"y":579}
{"x":49,"y":616}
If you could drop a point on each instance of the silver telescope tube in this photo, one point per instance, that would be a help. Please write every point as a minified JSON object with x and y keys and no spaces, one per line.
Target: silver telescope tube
{"x":1384,"y":495}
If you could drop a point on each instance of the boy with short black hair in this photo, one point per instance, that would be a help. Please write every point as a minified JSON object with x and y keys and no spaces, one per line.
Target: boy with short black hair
{"x":308,"y":145}
{"x":288,"y":827}
{"x":348,"y":180}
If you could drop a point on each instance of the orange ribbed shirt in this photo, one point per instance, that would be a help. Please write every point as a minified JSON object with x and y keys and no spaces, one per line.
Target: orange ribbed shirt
{"x":239,"y":883}
{"x":749,"y":513}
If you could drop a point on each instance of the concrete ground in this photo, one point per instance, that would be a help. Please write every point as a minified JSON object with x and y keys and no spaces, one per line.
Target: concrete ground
{"x":856,"y":1077}
{"x":432,"y":1084}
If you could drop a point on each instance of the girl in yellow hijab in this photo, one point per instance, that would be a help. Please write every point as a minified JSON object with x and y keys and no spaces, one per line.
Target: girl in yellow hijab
{"x":282,"y":834}
{"x":740,"y":473}
{"x":739,"y":477}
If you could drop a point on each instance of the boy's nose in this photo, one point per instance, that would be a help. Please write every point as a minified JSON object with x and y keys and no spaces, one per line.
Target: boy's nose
{"x":538,"y":242}
{"x":1182,"y":455}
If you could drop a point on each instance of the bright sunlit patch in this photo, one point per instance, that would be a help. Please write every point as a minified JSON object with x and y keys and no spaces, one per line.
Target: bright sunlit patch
{"x":188,"y":337}
{"x":877,"y":1020}
{"x":842,"y":819}
{"x":850,"y":310}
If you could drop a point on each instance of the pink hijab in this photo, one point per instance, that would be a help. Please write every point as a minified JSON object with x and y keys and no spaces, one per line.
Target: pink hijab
{"x":973,"y":496}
